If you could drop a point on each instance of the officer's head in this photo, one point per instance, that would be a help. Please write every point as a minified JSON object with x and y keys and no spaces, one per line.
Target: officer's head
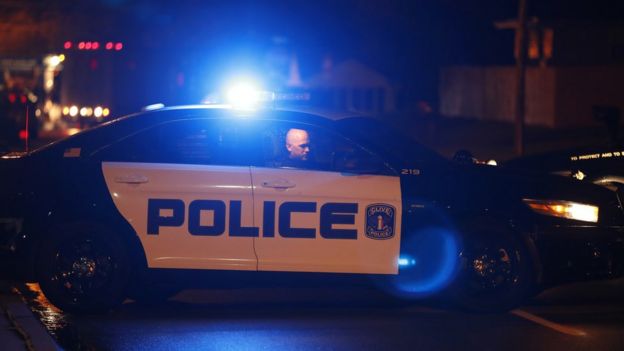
{"x":298,"y":144}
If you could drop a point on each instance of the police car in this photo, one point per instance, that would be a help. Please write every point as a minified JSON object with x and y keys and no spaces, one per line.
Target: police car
{"x":204,"y":192}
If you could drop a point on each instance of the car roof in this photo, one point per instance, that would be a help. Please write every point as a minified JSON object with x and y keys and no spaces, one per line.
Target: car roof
{"x":303,"y":115}
{"x":333,"y":115}
{"x":135,"y":121}
{"x":326,"y":113}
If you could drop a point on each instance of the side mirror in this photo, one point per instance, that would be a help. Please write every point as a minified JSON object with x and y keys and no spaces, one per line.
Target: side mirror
{"x":464,"y":157}
{"x":356,"y":162}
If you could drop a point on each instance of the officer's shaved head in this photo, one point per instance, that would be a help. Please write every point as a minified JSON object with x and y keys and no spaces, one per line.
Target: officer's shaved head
{"x":298,"y":144}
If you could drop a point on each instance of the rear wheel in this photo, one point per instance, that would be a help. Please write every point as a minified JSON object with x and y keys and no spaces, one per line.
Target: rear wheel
{"x":83,"y":268}
{"x":495,"y":270}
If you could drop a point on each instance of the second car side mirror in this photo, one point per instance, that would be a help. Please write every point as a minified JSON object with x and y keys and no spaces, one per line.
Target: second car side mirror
{"x":353,"y":162}
{"x":464,"y":157}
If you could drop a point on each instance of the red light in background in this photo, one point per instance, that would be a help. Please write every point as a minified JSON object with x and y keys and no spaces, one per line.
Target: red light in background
{"x":23,"y":134}
{"x":12,"y":98}
{"x":93,"y":64}
{"x":23,"y":99}
{"x":109,"y":45}
{"x":81,"y":45}
{"x":95,"y":45}
{"x":118,"y":46}
{"x":88,"y":46}
{"x":67,"y":45}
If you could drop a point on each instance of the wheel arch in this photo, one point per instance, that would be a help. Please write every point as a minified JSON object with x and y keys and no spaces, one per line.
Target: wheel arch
{"x":483,"y":228}
{"x":37,"y":231}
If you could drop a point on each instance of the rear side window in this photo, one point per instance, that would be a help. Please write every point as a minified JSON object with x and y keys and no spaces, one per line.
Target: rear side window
{"x":194,"y":141}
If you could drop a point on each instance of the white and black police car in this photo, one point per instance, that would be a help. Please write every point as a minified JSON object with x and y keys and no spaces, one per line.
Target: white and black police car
{"x":205,"y":193}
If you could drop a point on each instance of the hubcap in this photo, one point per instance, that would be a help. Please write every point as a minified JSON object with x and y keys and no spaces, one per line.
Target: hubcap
{"x":490,"y":269}
{"x":84,"y":267}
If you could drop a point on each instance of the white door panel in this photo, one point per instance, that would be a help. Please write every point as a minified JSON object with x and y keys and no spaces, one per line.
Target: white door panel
{"x":208,"y":194}
{"x":328,"y":221}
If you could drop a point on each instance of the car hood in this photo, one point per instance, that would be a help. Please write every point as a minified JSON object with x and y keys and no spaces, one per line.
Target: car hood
{"x":593,"y":162}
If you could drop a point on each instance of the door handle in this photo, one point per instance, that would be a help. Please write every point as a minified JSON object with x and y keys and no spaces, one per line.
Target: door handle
{"x":278,"y":184}
{"x":132,"y":179}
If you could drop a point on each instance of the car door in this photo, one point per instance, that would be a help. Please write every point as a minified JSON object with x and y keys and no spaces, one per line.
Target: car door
{"x":340,"y":211}
{"x":185,"y":188}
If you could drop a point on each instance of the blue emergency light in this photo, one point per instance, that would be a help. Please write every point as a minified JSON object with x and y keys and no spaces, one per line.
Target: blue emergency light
{"x":247,"y":96}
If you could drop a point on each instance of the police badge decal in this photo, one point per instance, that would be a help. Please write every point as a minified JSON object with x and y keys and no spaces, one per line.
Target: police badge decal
{"x":380,"y":221}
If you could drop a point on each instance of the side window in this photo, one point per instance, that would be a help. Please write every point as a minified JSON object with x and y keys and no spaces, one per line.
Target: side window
{"x":196,"y":141}
{"x":137,"y":147}
{"x":301,"y":146}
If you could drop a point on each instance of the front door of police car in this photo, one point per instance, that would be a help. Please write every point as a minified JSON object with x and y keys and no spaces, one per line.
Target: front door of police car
{"x":314,"y":218}
{"x":185,"y":187}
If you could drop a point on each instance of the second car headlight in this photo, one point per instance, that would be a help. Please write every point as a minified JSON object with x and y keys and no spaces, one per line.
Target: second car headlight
{"x":564,"y":209}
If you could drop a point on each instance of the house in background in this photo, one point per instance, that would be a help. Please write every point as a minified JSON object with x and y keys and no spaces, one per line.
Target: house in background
{"x":351,"y":85}
{"x":572,"y":68}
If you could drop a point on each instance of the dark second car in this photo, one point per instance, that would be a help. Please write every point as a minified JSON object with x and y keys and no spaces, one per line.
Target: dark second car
{"x":205,"y":192}
{"x":599,"y":165}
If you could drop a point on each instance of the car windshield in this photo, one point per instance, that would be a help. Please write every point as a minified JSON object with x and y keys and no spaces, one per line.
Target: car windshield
{"x":383,"y":136}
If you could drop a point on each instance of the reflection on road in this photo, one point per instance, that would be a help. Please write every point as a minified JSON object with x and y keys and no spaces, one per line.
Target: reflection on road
{"x":54,"y":320}
{"x":584,"y":316}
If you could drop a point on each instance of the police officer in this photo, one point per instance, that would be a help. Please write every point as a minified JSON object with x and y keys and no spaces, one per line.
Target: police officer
{"x":297,"y":153}
{"x":298,"y":144}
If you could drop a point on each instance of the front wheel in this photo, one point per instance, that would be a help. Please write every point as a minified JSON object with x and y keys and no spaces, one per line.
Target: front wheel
{"x":495,"y":270}
{"x":83,"y":268}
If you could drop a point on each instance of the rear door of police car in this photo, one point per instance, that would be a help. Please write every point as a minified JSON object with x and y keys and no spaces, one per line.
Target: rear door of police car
{"x":185,"y":188}
{"x":340,"y":212}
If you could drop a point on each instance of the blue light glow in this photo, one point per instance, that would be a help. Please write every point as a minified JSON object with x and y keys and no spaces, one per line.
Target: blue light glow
{"x":428,"y":263}
{"x":243,"y":95}
{"x":247,"y":95}
{"x":406,"y":261}
{"x":153,"y":107}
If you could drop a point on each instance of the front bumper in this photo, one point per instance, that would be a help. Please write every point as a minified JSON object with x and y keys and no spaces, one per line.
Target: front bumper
{"x":572,"y":254}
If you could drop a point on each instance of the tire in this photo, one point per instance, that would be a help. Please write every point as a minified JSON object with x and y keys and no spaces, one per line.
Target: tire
{"x":495,"y":272}
{"x":83,"y":268}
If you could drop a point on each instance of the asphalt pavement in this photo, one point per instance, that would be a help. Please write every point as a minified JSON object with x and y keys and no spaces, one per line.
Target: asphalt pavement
{"x":584,"y":316}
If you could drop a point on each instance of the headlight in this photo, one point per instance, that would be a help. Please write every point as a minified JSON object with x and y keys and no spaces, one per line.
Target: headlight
{"x":564,"y":209}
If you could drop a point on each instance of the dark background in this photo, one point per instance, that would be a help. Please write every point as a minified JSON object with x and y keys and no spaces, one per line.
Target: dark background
{"x":177,"y":51}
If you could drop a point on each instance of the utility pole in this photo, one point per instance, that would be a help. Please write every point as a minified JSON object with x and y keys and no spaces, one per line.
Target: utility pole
{"x":521,"y":46}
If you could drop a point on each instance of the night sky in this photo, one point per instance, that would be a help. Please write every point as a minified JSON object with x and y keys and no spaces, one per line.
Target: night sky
{"x":407,"y":41}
